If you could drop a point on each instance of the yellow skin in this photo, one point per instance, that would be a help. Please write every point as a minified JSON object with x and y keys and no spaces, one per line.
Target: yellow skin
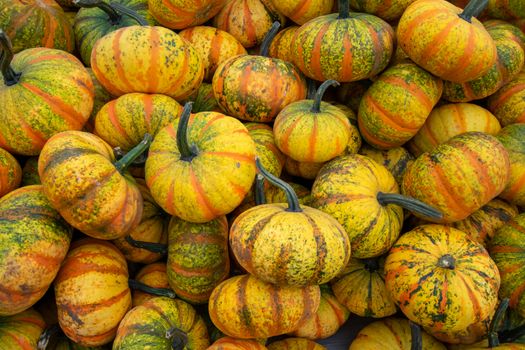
{"x":354,"y":141}
{"x":396,"y":159}
{"x":512,"y":138}
{"x":444,"y":299}
{"x":302,"y":169}
{"x":229,"y":343}
{"x":245,"y":307}
{"x":101,"y":98}
{"x":21,"y":331}
{"x":92,"y":292}
{"x":153,"y":275}
{"x":280,"y":46}
{"x":508,"y":103}
{"x":180,"y":14}
{"x":147,"y":59}
{"x":301,"y":11}
{"x":10,"y":172}
{"x":387,"y":10}
{"x":295,"y":344}
{"x":472,"y":334}
{"x":271,"y":157}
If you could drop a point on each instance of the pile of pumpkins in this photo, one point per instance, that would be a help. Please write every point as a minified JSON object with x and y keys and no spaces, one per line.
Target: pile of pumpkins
{"x":248,"y":174}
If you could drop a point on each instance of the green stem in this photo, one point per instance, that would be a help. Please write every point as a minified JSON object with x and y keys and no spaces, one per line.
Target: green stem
{"x":311,"y":88}
{"x":268,"y":38}
{"x":447,"y":261}
{"x":410,"y":204}
{"x":123,"y":163}
{"x":260,"y":197}
{"x":139,"y":161}
{"x":473,"y":9}
{"x":291,"y":196}
{"x":113,"y":15}
{"x":187,"y":152}
{"x":161,"y":292}
{"x":45,"y":337}
{"x":157,"y":248}
{"x":417,"y":340}
{"x":316,"y":107}
{"x":6,"y":56}
{"x":178,"y":338}
{"x":130,"y":13}
{"x":496,"y":322}
{"x":344,"y":9}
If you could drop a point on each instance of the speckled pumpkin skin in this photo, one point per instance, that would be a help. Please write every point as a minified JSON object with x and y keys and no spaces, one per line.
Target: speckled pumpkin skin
{"x":272,"y":159}
{"x":281,"y":45}
{"x":472,"y":334}
{"x":459,"y":176}
{"x":240,"y":306}
{"x":362,"y":290}
{"x":153,"y":275}
{"x":213,"y":183}
{"x":439,"y":298}
{"x":509,"y":9}
{"x":355,"y":140}
{"x":124,"y":122}
{"x":295,"y":344}
{"x":392,"y":334}
{"x":229,"y":343}
{"x":83,"y":185}
{"x":257,"y":88}
{"x":204,"y":100}
{"x":347,"y":188}
{"x":168,"y":64}
{"x":396,"y":159}
{"x":248,"y":20}
{"x":351,"y":94}
{"x":302,"y":11}
{"x":36,"y":23}
{"x":345,"y":50}
{"x":513,"y":138}
{"x":180,"y":14}
{"x":397,"y":104}
{"x":509,"y":30}
{"x":214,"y":45}
{"x":38,"y":107}
{"x":145,"y":326}
{"x":100,"y":99}
{"x":450,"y":120}
{"x":10,"y":173}
{"x":387,"y":10}
{"x":437,"y":39}
{"x":21,"y":331}
{"x":508,"y":103}
{"x":34,"y":240}
{"x":90,"y":316}
{"x":305,"y":170}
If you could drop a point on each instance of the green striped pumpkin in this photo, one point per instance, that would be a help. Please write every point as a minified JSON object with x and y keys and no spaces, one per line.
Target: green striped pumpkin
{"x":508,"y":103}
{"x":21,"y":331}
{"x":396,"y":159}
{"x":513,"y":138}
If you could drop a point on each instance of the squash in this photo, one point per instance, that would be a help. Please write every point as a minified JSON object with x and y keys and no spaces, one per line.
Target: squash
{"x":10,"y":173}
{"x":44,"y":91}
{"x":152,"y":275}
{"x":21,"y":331}
{"x":354,"y":141}
{"x":508,"y":103}
{"x":397,"y":104}
{"x":101,"y":98}
{"x":305,"y":170}
{"x":389,"y":11}
{"x":30,"y":172}
{"x":351,"y":94}
{"x":124,"y":122}
{"x":36,"y":23}
{"x":257,"y":88}
{"x":201,"y":167}
{"x":509,"y":9}
{"x":169,"y":64}
{"x":361,"y":288}
{"x":229,"y":343}
{"x":204,"y":100}
{"x":34,"y":240}
{"x":512,"y":137}
{"x":441,"y":279}
{"x":295,"y":344}
{"x":162,"y":324}
{"x":245,"y":307}
{"x":344,"y":47}
{"x":280,"y":46}
{"x":363,"y":196}
{"x":302,"y":11}
{"x":396,"y":159}
{"x":83,"y":182}
{"x":459,"y":176}
{"x":449,"y":120}
{"x":506,"y":29}
{"x":289,"y":244}
{"x":180,"y":14}
{"x":265,"y":147}
{"x":54,"y":339}
{"x":92,"y":293}
{"x":446,"y":40}
{"x":214,"y":45}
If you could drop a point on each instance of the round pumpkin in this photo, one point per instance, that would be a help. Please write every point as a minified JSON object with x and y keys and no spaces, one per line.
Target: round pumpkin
{"x":302,"y":11}
{"x":204,"y":100}
{"x":396,"y":159}
{"x":508,"y":103}
{"x":306,"y":170}
{"x":295,"y":344}
{"x":10,"y":173}
{"x":441,"y":279}
{"x":506,"y":29}
{"x":92,"y":293}
{"x":44,"y":91}
{"x":281,"y":45}
{"x":387,"y":10}
{"x":513,"y":138}
{"x":100,"y":99}
{"x":180,"y":14}
{"x":229,"y":343}
{"x":30,"y":172}
{"x":21,"y":331}
{"x":34,"y":240}
{"x":472,"y":334}
{"x":354,"y":141}
{"x":154,"y":276}
{"x":265,"y":147}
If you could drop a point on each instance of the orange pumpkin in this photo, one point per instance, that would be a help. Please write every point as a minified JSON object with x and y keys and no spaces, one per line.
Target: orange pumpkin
{"x":280,"y":46}
{"x":10,"y":172}
{"x":508,"y":103}
{"x":302,"y":11}
{"x":512,"y":137}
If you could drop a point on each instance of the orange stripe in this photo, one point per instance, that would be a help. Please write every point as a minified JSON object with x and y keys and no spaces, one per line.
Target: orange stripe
{"x":236,"y":156}
{"x":414,"y":90}
{"x":115,"y":121}
{"x":300,"y":10}
{"x":43,"y":58}
{"x":243,"y":89}
{"x":347,"y":63}
{"x":214,"y":54}
{"x":49,"y":32}
{"x":205,"y":205}
{"x":386,"y":116}
{"x":38,"y":139}
{"x":153,"y":61}
{"x":312,"y":140}
{"x":184,"y":69}
{"x":147,"y":101}
{"x":465,"y":61}
{"x":416,"y":22}
{"x":22,"y":342}
{"x":502,"y":98}
{"x":315,"y":59}
{"x":433,"y":46}
{"x":50,"y":263}
{"x":102,"y":79}
{"x":481,"y":171}
{"x":516,"y":187}
{"x":371,"y":138}
{"x":249,"y":26}
{"x":121,"y":74}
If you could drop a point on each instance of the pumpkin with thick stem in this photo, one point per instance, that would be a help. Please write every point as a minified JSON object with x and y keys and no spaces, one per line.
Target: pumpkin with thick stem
{"x":396,"y":159}
{"x":21,"y":331}
{"x":388,"y":10}
{"x":93,"y":192}
{"x":229,"y":343}
{"x":257,"y":88}
{"x":10,"y":172}
{"x":35,"y":107}
{"x":295,"y":344}
{"x":508,"y":103}
{"x":289,"y":244}
{"x":154,"y":276}
{"x":180,"y":14}
{"x":280,"y":46}
{"x":513,"y":138}
{"x":302,"y":11}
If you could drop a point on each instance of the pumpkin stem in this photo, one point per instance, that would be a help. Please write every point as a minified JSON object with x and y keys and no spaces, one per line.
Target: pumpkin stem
{"x":178,"y":338}
{"x":473,"y":9}
{"x":123,"y":163}
{"x":344,"y":9}
{"x":268,"y":38}
{"x":371,"y":264}
{"x":410,"y":204}
{"x":6,"y":56}
{"x":187,"y":152}
{"x":311,"y":88}
{"x":46,"y":336}
{"x":496,"y":322}
{"x":130,"y":13}
{"x":113,"y":15}
{"x":260,"y":197}
{"x":291,"y":196}
{"x":316,"y":107}
{"x":161,"y":292}
{"x":447,"y":261}
{"x":140,"y":161}
{"x":417,"y":340}
{"x":157,"y":248}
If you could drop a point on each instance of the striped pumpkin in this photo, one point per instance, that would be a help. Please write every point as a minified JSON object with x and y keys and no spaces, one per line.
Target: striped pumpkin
{"x":124,"y":122}
{"x":281,"y":45}
{"x":30,"y":172}
{"x":397,"y":104}
{"x":248,"y":20}
{"x":229,"y":343}
{"x":53,"y":93}
{"x":21,"y":331}
{"x":211,"y":178}
{"x":240,"y":305}
{"x":36,"y":23}
{"x":506,"y":29}
{"x":506,"y":9}
{"x":162,"y":323}
{"x":472,"y":334}
{"x":387,"y":10}
{"x":180,"y":14}
{"x":441,"y":279}
{"x":214,"y":45}
{"x":267,"y":151}
{"x":351,"y":94}
{"x":102,"y":200}
{"x":91,"y":286}
{"x":10,"y":172}
{"x":361,"y":288}
{"x":34,"y":240}
{"x":345,"y":47}
{"x":396,"y":159}
{"x":449,"y":120}
{"x":354,"y":141}
{"x":295,"y":344}
{"x":204,"y":100}
{"x":153,"y":275}
{"x":513,"y":138}
{"x":169,"y":65}
{"x":306,"y":170}
{"x":483,"y":164}
{"x":302,"y":11}
{"x":100,"y":99}
{"x":508,"y":103}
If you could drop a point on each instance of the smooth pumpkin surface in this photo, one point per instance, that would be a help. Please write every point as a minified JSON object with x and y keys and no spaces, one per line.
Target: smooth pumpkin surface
{"x":280,"y":47}
{"x":153,"y":275}
{"x":396,"y":159}
{"x":21,"y":331}
{"x":295,"y":344}
{"x":513,"y":138}
{"x":10,"y":172}
{"x":508,"y":103}
{"x":229,"y":343}
{"x":302,"y":11}
{"x":387,"y":10}
{"x":180,"y":14}
{"x":34,"y":241}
